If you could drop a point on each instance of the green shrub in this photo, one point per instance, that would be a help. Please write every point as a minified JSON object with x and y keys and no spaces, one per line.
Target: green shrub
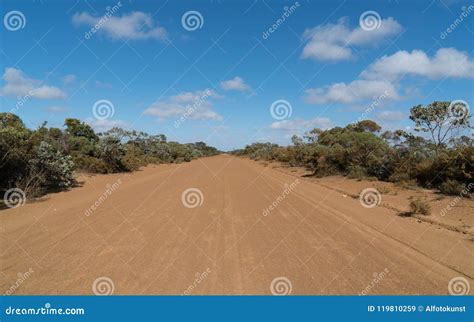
{"x":134,"y":158}
{"x":54,"y":169}
{"x":44,"y":159}
{"x":400,"y":177}
{"x":451,"y":187}
{"x":356,"y":172}
{"x":90,"y":164}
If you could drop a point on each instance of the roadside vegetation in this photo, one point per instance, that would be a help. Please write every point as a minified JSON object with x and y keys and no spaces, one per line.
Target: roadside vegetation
{"x":44,"y":159}
{"x":443,"y":158}
{"x":419,"y":206}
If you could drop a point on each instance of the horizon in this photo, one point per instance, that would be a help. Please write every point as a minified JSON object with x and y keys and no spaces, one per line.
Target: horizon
{"x":198,"y":72}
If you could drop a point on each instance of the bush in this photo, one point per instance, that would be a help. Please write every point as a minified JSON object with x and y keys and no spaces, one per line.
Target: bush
{"x":451,"y":187}
{"x":361,"y":152}
{"x":400,"y":177}
{"x":111,"y":151}
{"x":53,"y":169}
{"x":383,"y":189}
{"x":356,"y":172}
{"x":90,"y":164}
{"x":44,"y":159}
{"x":418,"y":206}
{"x":134,"y":158}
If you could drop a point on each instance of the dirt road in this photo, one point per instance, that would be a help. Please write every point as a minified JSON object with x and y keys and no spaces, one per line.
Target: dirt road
{"x":242,"y":229}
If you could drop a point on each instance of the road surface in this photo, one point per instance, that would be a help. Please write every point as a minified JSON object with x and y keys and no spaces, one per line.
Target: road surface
{"x":222,"y":225}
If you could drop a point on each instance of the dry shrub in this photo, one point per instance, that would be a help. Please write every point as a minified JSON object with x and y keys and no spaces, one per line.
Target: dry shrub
{"x":418,"y":206}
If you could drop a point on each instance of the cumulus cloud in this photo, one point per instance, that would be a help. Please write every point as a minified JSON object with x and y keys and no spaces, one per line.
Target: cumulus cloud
{"x":354,"y":91}
{"x":382,"y":77}
{"x":447,"y":62}
{"x":300,"y":125}
{"x":236,"y":84}
{"x":106,"y":124}
{"x":18,"y":84}
{"x":194,"y":105}
{"x":333,"y":42}
{"x":135,"y":25}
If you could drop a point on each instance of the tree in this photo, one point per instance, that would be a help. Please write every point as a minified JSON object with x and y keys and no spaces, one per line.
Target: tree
{"x":111,"y":151}
{"x":296,"y":140}
{"x":76,"y":128}
{"x":10,"y":120}
{"x":441,"y":120}
{"x":365,"y":126}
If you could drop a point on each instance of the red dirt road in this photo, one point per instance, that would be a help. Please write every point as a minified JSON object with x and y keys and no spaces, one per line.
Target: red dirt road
{"x":143,"y":239}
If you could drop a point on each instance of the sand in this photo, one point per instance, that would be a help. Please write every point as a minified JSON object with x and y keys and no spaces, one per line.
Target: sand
{"x":245,"y":228}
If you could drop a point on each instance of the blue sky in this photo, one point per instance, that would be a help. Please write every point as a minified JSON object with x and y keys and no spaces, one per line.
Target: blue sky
{"x":321,"y":66}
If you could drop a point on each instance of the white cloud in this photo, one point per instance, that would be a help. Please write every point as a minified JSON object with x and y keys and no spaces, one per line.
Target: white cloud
{"x":333,"y":42}
{"x":391,"y":116}
{"x":354,"y":91}
{"x":300,"y":125}
{"x":135,"y":25}
{"x":447,"y":62}
{"x":56,"y":109}
{"x":18,"y":84}
{"x":164,"y":110}
{"x":381,"y":77}
{"x":236,"y":84}
{"x":106,"y":124}
{"x":194,"y":105}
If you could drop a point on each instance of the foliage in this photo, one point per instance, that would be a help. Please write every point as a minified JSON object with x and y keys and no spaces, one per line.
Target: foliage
{"x":44,"y":159}
{"x":440,"y":120}
{"x":52,"y":167}
{"x":451,"y":187}
{"x":442,"y":160}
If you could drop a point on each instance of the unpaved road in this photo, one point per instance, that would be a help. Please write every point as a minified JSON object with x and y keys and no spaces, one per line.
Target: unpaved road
{"x":145,"y":241}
